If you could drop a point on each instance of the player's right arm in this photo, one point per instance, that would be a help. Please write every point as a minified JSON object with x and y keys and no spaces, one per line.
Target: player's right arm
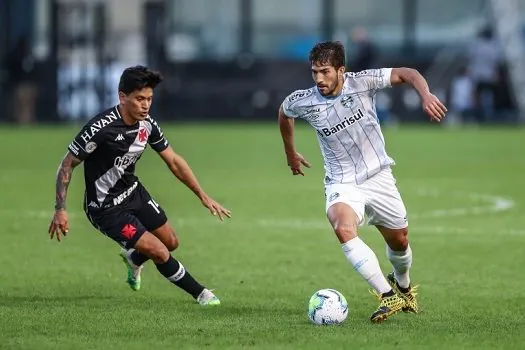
{"x":59,"y":223}
{"x":286,"y":125}
{"x":85,"y":143}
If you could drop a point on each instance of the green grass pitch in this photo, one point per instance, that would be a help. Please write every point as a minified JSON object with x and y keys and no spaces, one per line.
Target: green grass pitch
{"x":464,"y":193}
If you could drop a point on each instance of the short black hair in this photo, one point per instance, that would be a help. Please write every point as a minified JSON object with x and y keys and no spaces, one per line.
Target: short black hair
{"x":328,"y":52}
{"x":137,"y":78}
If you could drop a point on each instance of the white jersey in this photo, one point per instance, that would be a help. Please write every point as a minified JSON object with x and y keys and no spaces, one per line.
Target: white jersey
{"x":351,"y":141}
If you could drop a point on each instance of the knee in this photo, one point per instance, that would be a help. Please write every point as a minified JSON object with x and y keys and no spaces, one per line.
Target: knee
{"x":173,"y":243}
{"x":345,"y":232}
{"x":399,"y":241}
{"x":159,"y":254}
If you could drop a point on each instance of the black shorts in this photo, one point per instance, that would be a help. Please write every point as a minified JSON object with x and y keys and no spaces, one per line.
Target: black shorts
{"x":126,"y":223}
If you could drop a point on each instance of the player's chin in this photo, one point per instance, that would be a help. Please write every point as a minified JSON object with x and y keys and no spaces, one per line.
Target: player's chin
{"x":141,"y":116}
{"x":324,"y":91}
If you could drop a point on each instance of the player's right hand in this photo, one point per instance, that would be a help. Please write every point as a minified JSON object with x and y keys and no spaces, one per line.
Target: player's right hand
{"x":295,"y":161}
{"x":59,"y":224}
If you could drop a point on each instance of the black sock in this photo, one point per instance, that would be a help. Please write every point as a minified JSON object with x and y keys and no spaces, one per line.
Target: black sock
{"x":388,"y":294}
{"x":403,"y":290}
{"x":177,"y":274}
{"x":138,"y":258}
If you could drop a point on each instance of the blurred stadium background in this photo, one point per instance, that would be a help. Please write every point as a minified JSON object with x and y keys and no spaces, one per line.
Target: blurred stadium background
{"x":62,"y":58}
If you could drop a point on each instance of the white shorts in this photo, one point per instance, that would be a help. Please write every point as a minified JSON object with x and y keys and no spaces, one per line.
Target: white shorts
{"x":377,"y":198}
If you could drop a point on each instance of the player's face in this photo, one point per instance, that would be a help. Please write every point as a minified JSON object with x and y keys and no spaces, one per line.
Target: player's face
{"x":137,"y":103}
{"x":327,"y":78}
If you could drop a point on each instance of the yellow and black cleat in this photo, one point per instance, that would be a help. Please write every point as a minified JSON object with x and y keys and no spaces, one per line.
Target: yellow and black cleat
{"x":388,"y":306}
{"x":408,"y":295}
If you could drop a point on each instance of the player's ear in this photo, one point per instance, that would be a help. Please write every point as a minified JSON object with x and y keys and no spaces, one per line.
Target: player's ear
{"x":341,"y":71}
{"x":122,"y":97}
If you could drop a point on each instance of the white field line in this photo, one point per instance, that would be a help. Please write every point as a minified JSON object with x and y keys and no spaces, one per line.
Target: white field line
{"x":484,"y":204}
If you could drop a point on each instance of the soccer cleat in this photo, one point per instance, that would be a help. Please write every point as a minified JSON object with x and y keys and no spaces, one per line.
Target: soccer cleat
{"x":410,"y":296}
{"x":208,"y":298}
{"x":133,"y":271}
{"x":388,"y":306}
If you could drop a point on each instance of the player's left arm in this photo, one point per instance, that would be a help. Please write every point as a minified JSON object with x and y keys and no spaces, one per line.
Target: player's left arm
{"x":180,"y":168}
{"x":432,"y":106}
{"x":182,"y":171}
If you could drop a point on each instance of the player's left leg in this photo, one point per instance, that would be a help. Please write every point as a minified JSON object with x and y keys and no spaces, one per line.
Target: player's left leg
{"x":388,"y":213}
{"x":154,"y":219}
{"x":399,"y":253}
{"x":165,"y":233}
{"x":345,"y":211}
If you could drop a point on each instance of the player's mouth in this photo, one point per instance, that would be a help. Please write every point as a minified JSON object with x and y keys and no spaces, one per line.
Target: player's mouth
{"x":322,"y":88}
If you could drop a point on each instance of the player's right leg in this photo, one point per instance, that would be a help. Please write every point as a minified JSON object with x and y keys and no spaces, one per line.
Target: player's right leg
{"x":154,"y":219}
{"x":134,"y":270}
{"x":120,"y":225}
{"x":345,"y":220}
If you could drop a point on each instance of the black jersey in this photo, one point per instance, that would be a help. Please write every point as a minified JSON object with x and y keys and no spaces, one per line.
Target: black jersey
{"x":110,"y":149}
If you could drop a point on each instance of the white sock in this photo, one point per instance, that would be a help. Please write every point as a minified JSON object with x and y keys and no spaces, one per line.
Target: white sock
{"x":128,"y":257}
{"x":365,"y":262}
{"x":401,"y":261}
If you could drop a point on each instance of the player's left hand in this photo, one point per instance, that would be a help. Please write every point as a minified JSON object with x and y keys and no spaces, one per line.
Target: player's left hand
{"x":433,"y":107}
{"x":215,"y":208}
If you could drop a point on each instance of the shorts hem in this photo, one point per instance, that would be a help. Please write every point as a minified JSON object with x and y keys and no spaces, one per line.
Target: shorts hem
{"x":158,"y":226}
{"x":360,"y":217}
{"x":133,"y":241}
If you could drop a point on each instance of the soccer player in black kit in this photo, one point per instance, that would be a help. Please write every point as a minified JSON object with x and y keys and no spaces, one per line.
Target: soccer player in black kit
{"x":115,"y":201}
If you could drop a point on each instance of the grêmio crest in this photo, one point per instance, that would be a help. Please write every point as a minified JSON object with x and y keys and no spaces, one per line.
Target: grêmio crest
{"x":348,"y":101}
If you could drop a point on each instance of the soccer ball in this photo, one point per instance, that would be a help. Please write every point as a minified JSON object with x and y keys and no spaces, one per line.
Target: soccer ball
{"x":327,"y":306}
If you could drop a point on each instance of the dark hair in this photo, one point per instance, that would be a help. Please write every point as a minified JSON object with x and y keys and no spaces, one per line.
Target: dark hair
{"x":137,"y":78}
{"x":328,"y":52}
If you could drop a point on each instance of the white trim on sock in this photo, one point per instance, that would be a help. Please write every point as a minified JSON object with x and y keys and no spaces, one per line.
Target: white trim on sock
{"x":180,"y":273}
{"x":128,"y":257}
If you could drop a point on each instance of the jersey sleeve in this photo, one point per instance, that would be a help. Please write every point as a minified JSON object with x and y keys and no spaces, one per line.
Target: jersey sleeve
{"x":288,"y":109}
{"x":86,"y":141}
{"x":156,"y":138}
{"x":293,"y":101}
{"x":374,"y":79}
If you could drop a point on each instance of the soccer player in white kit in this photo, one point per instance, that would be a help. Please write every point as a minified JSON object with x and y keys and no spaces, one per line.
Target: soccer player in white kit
{"x":358,"y":181}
